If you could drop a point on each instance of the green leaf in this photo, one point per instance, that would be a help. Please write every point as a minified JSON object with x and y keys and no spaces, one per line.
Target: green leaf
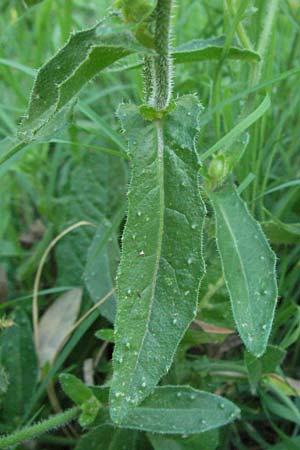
{"x":3,"y":382}
{"x":158,"y":280}
{"x":181,"y":410}
{"x":136,"y":10}
{"x":174,"y":410}
{"x":32,"y":2}
{"x":19,"y":360}
{"x":224,"y":162}
{"x":107,"y":437}
{"x":282,"y":233}
{"x":106,"y":334}
{"x":61,"y":78}
{"x":291,"y":443}
{"x":95,"y":191}
{"x":267,"y":363}
{"x":204,"y":441}
{"x":74,"y":388}
{"x":249,"y":268}
{"x":208,"y":49}
{"x":101,"y":266}
{"x":82,"y":396}
{"x":240,"y":128}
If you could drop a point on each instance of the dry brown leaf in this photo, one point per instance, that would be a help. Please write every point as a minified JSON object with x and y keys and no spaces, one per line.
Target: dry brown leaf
{"x":56,"y":322}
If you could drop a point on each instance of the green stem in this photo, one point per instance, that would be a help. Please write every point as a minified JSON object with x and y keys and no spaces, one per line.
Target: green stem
{"x":161,"y":66}
{"x":12,"y":151}
{"x":264,"y":38}
{"x":243,"y":37}
{"x":30,"y":432}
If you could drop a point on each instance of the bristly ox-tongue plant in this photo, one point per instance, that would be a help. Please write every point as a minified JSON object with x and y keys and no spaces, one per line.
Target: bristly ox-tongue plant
{"x":162,"y":262}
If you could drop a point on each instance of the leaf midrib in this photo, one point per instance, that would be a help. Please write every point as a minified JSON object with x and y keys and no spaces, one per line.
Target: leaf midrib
{"x":236,"y":249}
{"x":160,"y":167}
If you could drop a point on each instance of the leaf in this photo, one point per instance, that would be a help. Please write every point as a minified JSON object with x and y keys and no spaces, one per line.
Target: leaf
{"x":158,"y":280}
{"x":61,"y":78}
{"x":95,"y":191}
{"x":99,"y":271}
{"x":19,"y":361}
{"x":74,"y":388}
{"x":181,"y":410}
{"x":249,"y":268}
{"x":3,"y":382}
{"x":282,"y":233}
{"x":267,"y":363}
{"x":82,"y":396}
{"x":56,"y":322}
{"x":29,"y":3}
{"x":224,"y":162}
{"x":292,"y":443}
{"x":106,"y":334}
{"x":136,"y":10}
{"x":214,"y":303}
{"x":208,"y":49}
{"x":286,"y":385}
{"x":174,"y":410}
{"x":239,"y":129}
{"x":107,"y":437}
{"x":204,"y":441}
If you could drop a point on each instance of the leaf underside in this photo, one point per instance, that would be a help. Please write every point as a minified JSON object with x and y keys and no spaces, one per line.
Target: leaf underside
{"x":162,"y":264}
{"x":249,"y":268}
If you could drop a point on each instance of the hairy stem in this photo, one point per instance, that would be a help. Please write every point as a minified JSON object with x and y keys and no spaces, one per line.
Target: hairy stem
{"x":264,"y":40}
{"x":161,"y":72}
{"x":32,"y":431}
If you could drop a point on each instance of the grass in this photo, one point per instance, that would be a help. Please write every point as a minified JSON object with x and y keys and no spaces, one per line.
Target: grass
{"x":40,"y":186}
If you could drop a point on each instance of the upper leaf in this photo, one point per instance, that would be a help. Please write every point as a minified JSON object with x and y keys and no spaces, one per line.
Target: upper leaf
{"x":162,"y":264}
{"x":207,"y":49}
{"x":59,"y":80}
{"x":249,"y":268}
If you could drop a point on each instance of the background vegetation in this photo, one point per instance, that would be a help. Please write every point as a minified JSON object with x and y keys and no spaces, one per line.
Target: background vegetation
{"x":54,"y":185}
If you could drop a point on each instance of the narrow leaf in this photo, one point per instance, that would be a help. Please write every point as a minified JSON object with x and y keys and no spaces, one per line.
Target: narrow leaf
{"x":56,"y":323}
{"x":249,"y":268}
{"x":158,"y":279}
{"x":59,"y":80}
{"x":208,"y":49}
